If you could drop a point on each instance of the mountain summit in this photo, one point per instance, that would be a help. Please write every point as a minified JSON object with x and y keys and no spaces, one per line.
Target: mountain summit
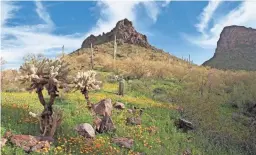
{"x":236,"y":49}
{"x":124,"y":32}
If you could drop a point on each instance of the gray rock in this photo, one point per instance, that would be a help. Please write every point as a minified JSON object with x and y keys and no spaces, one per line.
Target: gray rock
{"x":29,"y":143}
{"x":106,"y":125}
{"x":123,"y":142}
{"x":133,"y":121}
{"x":85,"y":130}
{"x":2,"y":142}
{"x":119,"y":105}
{"x":130,"y":111}
{"x":184,"y":124}
{"x":104,"y":107}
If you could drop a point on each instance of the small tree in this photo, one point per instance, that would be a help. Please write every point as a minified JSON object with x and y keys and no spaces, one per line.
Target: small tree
{"x":85,"y":82}
{"x":49,"y":74}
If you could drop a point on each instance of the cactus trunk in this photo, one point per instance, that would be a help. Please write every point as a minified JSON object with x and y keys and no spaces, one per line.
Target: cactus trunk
{"x":115,"y":46}
{"x":92,"y":65}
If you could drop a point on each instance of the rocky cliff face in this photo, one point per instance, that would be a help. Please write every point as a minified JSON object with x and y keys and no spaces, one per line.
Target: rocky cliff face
{"x":125,"y":33}
{"x":236,"y":49}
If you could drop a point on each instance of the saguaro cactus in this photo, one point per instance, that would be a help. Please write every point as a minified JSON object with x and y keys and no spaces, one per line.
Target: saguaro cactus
{"x":121,"y":87}
{"x":92,"y":63}
{"x":49,"y":74}
{"x":63,"y":51}
{"x":115,"y":48}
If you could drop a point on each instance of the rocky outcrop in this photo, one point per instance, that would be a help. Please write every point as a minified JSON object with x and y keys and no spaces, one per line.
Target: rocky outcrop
{"x":124,"y":32}
{"x":236,"y":49}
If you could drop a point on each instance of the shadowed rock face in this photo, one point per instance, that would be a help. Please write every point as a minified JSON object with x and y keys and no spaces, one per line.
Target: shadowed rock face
{"x":125,"y":33}
{"x":236,"y":49}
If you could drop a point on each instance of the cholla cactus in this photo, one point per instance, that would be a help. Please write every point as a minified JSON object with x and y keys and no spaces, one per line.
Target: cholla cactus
{"x":86,"y":81}
{"x":49,"y":74}
{"x":42,"y":71}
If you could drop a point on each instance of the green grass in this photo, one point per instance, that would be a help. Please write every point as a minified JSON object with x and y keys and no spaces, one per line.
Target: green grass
{"x":16,"y":106}
{"x":159,"y":114}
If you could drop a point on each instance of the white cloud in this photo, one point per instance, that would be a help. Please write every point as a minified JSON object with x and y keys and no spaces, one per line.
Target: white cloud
{"x":7,"y":11}
{"x":244,"y":15}
{"x":17,"y":41}
{"x":43,"y":14}
{"x":38,"y":38}
{"x":113,"y":11}
{"x":206,"y":15}
{"x":152,"y":9}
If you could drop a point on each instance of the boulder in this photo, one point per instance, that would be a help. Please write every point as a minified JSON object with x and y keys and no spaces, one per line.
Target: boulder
{"x":85,"y":130}
{"x":106,"y":125}
{"x":119,"y":105}
{"x":96,"y":123}
{"x":2,"y":142}
{"x":136,"y":118}
{"x":29,"y":143}
{"x":123,"y":142}
{"x":184,"y":124}
{"x":133,"y":121}
{"x":104,"y":107}
{"x":130,"y":111}
{"x":24,"y":141}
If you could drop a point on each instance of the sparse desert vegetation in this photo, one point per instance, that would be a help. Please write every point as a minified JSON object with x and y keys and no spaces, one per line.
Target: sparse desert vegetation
{"x":220,"y":104}
{"x":132,"y":99}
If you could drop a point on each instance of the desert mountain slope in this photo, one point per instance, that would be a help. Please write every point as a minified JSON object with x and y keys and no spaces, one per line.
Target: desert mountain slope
{"x":131,"y":45}
{"x":236,"y":49}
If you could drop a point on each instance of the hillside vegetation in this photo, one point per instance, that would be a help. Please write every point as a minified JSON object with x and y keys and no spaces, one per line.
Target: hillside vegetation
{"x":220,"y":104}
{"x":217,"y":101}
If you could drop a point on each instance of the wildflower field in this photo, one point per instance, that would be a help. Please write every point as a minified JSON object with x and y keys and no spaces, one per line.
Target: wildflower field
{"x":156,"y":134}
{"x":219,"y":104}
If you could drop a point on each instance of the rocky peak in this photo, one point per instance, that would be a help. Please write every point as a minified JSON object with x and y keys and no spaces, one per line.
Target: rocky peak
{"x":124,"y":32}
{"x":234,"y":36}
{"x":123,"y":23}
{"x":236,"y":49}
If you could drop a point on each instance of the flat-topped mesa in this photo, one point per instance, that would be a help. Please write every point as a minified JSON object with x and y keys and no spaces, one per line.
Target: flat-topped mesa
{"x":235,"y":36}
{"x":236,"y":49}
{"x":125,"y":33}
